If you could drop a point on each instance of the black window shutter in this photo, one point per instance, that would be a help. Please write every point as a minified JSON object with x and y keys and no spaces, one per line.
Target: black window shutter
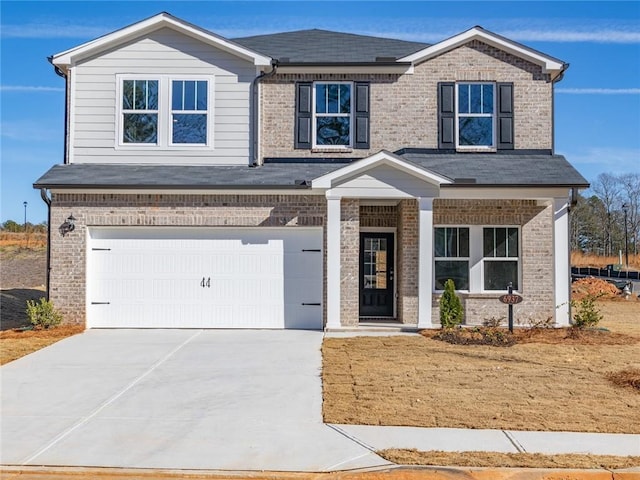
{"x":505,"y":116}
{"x":361,"y":117}
{"x":303,"y":115}
{"x":446,"y":115}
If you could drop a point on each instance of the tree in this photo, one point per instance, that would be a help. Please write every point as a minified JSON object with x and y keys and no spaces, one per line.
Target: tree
{"x":607,"y":188}
{"x":11,"y":226}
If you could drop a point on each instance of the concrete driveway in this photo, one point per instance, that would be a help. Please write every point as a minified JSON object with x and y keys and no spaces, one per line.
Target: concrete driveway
{"x":183,"y":399}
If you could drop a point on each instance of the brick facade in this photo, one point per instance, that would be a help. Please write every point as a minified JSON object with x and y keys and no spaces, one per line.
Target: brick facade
{"x":403,"y":108}
{"x":349,"y":261}
{"x":68,"y":254}
{"x":537,"y":255}
{"x":68,"y":259}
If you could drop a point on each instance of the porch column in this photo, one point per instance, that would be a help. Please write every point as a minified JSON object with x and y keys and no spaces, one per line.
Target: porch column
{"x":333,"y":262}
{"x":425,"y":262}
{"x":562,"y":278}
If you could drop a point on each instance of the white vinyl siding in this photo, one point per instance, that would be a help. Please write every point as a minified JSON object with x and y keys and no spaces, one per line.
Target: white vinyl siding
{"x":165,"y":52}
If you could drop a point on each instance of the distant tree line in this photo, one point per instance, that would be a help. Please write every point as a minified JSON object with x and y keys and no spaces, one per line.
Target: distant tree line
{"x":15,"y":227}
{"x":598,"y":219}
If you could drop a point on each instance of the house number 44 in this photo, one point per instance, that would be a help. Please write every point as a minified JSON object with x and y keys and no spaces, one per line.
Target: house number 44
{"x":206,"y":282}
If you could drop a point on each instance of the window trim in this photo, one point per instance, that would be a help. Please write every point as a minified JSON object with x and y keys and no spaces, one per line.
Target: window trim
{"x":493,"y":116}
{"x":476,"y":258}
{"x":517,"y":259}
{"x":165,"y":112}
{"x":452,"y":259}
{"x":314,"y":115}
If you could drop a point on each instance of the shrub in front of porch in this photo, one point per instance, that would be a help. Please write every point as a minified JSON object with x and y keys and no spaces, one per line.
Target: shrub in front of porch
{"x":451,"y":311}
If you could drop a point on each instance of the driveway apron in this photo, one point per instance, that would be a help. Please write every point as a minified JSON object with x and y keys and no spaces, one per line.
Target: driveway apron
{"x":183,"y":399}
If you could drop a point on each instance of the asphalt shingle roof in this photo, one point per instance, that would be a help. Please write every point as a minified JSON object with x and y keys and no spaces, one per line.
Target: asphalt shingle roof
{"x":323,"y":46}
{"x":277,"y":175}
{"x":498,"y":170}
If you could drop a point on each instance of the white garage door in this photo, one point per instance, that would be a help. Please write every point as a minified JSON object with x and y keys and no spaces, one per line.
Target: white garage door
{"x":204,"y":278}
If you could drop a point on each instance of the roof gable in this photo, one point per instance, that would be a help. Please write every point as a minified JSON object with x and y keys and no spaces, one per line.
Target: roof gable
{"x":163,"y":20}
{"x":372,"y":164}
{"x":549,"y":64}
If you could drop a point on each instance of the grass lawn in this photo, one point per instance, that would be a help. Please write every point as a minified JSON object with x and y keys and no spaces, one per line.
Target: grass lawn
{"x":549,"y":383}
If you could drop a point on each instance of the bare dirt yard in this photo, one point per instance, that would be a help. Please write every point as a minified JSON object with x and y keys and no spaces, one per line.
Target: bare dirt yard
{"x":23,"y":278}
{"x":549,"y":380}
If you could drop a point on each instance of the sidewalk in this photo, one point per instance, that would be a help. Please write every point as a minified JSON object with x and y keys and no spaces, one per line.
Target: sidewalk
{"x":377,"y":438}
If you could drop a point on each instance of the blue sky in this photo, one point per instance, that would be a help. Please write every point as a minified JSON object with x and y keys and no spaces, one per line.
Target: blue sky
{"x":597,"y":104}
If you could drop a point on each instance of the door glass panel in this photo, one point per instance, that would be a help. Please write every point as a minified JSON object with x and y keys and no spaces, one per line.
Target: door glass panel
{"x":375,"y":263}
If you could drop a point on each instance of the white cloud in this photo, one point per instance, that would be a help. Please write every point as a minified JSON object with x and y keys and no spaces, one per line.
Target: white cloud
{"x":573,"y":36}
{"x":54,"y":30}
{"x":599,"y":91}
{"x":29,"y":88}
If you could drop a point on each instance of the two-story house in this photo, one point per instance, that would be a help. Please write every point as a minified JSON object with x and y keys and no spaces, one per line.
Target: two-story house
{"x":307,"y":179}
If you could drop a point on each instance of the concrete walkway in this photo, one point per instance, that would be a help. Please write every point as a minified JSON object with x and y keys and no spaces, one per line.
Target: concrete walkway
{"x":212,"y":400}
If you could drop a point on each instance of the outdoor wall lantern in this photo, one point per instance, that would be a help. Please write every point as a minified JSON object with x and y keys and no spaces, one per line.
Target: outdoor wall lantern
{"x":67,"y":226}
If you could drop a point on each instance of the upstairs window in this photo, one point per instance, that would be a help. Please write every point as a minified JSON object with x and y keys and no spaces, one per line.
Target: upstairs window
{"x":475,"y":126}
{"x":475,"y":116}
{"x":165,"y":112}
{"x":189,"y":111}
{"x":140,"y":111}
{"x":332,"y":114}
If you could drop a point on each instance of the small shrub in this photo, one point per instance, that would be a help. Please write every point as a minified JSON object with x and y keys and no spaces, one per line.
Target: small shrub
{"x":451,"y":310}
{"x":43,"y":314}
{"x":586,"y":314}
{"x":493,"y":322}
{"x":493,"y":336}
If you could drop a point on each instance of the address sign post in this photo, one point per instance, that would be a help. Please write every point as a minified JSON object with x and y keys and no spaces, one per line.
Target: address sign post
{"x":510,"y":299}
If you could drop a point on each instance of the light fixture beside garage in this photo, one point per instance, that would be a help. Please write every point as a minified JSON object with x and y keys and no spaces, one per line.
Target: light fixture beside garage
{"x":67,"y":226}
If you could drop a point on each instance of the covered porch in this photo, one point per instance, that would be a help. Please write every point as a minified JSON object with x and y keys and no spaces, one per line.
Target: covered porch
{"x":382,"y":216}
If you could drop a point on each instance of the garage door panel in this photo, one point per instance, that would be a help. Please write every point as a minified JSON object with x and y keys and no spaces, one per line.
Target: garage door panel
{"x":213,"y":278}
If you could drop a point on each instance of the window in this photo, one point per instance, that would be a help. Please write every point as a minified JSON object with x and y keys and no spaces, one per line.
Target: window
{"x":140,"y":111}
{"x":332,"y":114}
{"x":165,"y":112}
{"x":475,"y":125}
{"x":452,"y":257}
{"x":189,"y":111}
{"x":477,"y":258}
{"x":475,"y":116}
{"x":500,"y":257}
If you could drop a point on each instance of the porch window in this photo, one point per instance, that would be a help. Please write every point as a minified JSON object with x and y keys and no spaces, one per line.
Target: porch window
{"x":452,"y":257}
{"x":500,"y":257}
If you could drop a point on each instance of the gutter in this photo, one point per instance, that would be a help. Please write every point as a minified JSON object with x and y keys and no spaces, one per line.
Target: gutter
{"x":255,"y":110}
{"x":47,"y":200}
{"x":61,"y":73}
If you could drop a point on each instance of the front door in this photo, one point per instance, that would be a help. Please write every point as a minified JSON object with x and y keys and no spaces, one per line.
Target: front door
{"x":376,"y":274}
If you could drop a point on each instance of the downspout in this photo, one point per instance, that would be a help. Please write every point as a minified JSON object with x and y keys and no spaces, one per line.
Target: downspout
{"x":60,"y":73}
{"x":574,"y":191}
{"x":47,"y":200}
{"x":43,"y":191}
{"x":255,"y":110}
